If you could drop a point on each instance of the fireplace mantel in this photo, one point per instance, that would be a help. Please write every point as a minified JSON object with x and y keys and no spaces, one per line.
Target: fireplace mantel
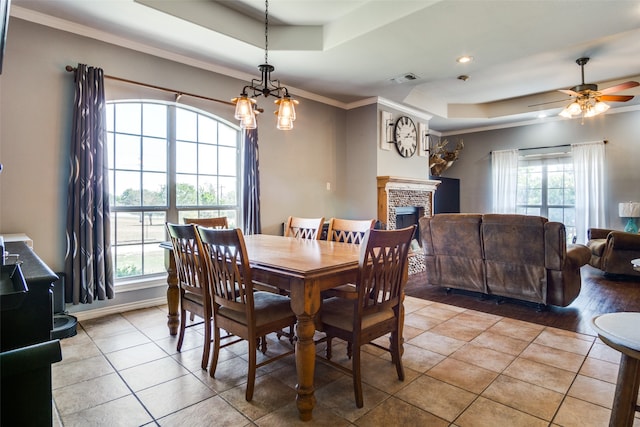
{"x":396,"y":191}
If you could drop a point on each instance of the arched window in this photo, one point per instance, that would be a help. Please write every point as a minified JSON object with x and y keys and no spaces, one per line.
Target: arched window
{"x":167,"y":161}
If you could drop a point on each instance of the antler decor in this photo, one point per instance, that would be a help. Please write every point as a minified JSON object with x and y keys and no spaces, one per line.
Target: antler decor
{"x":440,"y":159}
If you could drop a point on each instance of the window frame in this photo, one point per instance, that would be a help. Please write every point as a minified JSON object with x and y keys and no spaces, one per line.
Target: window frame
{"x":171,"y":210}
{"x":545,"y":161}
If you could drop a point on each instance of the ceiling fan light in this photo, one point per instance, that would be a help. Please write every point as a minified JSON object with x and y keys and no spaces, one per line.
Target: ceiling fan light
{"x":565,"y":113}
{"x":601,"y":107}
{"x":574,"y":108}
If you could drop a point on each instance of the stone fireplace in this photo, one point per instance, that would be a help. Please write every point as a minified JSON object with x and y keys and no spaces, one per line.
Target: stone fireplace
{"x":405,"y":197}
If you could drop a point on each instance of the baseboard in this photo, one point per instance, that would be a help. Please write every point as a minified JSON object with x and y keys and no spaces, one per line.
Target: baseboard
{"x":121,"y":308}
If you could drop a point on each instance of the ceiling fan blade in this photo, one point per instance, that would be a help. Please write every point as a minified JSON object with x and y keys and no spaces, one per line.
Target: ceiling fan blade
{"x":615,"y":98}
{"x":569,"y":92}
{"x":620,"y":87}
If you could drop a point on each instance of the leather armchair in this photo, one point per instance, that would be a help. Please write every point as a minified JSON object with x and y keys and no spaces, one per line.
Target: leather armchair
{"x":613,"y":250}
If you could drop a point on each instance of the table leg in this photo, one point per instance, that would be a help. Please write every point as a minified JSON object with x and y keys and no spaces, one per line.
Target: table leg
{"x":626,"y":395}
{"x":173,"y":294}
{"x":305,"y":302}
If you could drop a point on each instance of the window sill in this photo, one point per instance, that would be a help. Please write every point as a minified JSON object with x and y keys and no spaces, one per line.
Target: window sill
{"x":127,"y":285}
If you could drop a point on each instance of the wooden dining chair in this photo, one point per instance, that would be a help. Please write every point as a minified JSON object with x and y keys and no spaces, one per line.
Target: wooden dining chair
{"x":217,"y":222}
{"x":192,"y":283}
{"x":377,"y":310}
{"x":237,"y":308}
{"x":348,"y":230}
{"x":304,"y":228}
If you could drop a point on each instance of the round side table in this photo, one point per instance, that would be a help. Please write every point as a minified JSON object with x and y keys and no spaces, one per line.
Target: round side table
{"x":621,"y":331}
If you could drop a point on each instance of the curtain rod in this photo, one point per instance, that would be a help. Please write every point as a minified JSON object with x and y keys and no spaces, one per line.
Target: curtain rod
{"x":71,"y":69}
{"x":548,"y":146}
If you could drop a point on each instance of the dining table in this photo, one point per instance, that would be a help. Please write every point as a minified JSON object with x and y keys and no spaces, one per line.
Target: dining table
{"x":302,"y":267}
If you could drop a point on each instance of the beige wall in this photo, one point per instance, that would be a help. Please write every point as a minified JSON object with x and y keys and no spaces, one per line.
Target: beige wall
{"x":35,"y":105}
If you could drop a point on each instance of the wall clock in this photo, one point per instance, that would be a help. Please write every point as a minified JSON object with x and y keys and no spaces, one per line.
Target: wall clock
{"x":406,"y":137}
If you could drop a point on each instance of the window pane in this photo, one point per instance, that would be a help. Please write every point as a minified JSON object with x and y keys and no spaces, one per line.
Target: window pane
{"x":153,"y":259}
{"x":127,"y":152}
{"x":129,"y":261}
{"x":533,"y":211}
{"x":554,"y":196}
{"x":154,"y":154}
{"x":154,"y":230}
{"x":207,"y":130}
{"x":155,"y":189}
{"x":186,"y":190}
{"x":570,"y":196}
{"x":112,"y":193}
{"x":534,"y":196}
{"x":232,"y":217}
{"x":110,"y":150}
{"x":228,"y":161}
{"x":128,"y":227}
{"x":186,"y":125}
{"x":127,"y":118}
{"x":228,"y":191}
{"x":569,"y":217}
{"x":555,"y":180}
{"x":228,"y":136}
{"x":556,"y":214}
{"x":110,"y":111}
{"x":208,"y":159}
{"x":127,"y":185}
{"x":207,"y":190}
{"x":186,"y":157}
{"x":155,"y":120}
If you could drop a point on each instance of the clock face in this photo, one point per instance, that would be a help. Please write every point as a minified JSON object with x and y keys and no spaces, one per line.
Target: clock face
{"x":406,"y":137}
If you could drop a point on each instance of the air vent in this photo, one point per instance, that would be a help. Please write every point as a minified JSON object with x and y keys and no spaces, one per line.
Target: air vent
{"x":403,"y":78}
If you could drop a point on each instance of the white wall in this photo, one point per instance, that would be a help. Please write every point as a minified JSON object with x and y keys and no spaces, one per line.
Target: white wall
{"x":622,"y":175}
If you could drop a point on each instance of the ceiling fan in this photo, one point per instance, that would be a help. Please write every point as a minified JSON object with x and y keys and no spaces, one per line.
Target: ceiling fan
{"x":588,"y":100}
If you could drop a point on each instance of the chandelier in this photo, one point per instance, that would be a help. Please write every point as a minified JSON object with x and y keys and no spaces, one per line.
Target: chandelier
{"x":586,"y":105}
{"x":246,"y":104}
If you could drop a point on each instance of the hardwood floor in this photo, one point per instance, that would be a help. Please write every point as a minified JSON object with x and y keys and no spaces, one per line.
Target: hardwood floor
{"x":598,"y":295}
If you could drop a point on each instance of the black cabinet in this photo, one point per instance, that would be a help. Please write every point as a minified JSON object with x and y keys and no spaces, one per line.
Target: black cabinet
{"x":32,"y":321}
{"x":447,"y":196}
{"x":26,"y":348}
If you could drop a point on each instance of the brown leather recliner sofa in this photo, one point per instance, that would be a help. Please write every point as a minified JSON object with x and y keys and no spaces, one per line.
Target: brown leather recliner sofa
{"x":612,"y":251}
{"x":516,"y":256}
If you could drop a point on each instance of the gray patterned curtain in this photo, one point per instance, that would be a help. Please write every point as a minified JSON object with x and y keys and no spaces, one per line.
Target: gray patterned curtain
{"x":88,"y":264}
{"x":251,"y":183}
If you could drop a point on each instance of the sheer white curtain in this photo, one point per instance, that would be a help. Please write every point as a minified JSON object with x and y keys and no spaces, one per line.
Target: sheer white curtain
{"x":504,"y":174}
{"x":588,"y":167}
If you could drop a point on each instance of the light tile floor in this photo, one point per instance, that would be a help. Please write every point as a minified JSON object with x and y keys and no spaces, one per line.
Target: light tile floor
{"x":463,"y":368}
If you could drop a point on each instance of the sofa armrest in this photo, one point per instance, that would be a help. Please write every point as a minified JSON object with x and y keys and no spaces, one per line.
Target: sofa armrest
{"x":623,"y":240}
{"x":598,"y":233}
{"x":578,"y":255}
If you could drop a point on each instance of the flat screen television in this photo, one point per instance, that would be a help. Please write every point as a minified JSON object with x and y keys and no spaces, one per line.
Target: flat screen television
{"x":4,"y":25}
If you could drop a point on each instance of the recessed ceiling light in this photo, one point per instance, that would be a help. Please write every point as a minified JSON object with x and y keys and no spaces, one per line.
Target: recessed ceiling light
{"x":464,"y":59}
